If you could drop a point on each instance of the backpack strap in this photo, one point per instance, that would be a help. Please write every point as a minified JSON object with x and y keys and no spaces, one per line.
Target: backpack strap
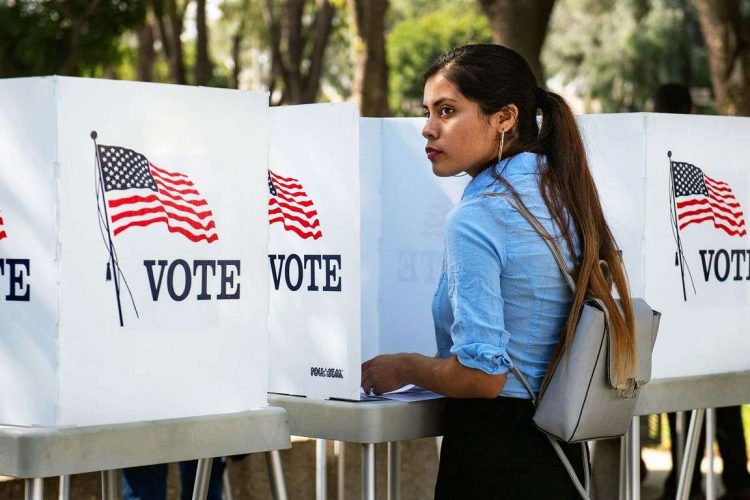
{"x":582,"y":490}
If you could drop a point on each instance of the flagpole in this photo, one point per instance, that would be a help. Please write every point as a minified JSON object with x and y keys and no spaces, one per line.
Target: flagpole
{"x":676,"y":225}
{"x":113,"y":263}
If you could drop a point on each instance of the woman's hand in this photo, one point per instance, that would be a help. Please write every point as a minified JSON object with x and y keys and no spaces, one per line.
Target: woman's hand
{"x":385,"y":373}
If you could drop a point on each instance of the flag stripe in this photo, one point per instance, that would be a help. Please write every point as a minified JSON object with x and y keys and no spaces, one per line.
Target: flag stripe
{"x":296,"y":194}
{"x":172,"y":229}
{"x":172,"y":182}
{"x":118,"y":202}
{"x":285,"y":179}
{"x":171,"y":189}
{"x":197,"y":202}
{"x":3,"y":234}
{"x":170,"y":174}
{"x":728,"y":220}
{"x":301,"y":234}
{"x":728,"y":200}
{"x":300,"y":220}
{"x":304,"y":203}
{"x":171,"y":215}
{"x":310,"y":214}
{"x":729,"y":231}
{"x":289,"y":186}
{"x":713,"y":204}
{"x":716,"y":182}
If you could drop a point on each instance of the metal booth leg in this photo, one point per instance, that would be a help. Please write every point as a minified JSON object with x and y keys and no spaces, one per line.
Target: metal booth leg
{"x":338,"y":450}
{"x":64,"y":491}
{"x":368,"y":471}
{"x":226,"y":491}
{"x":34,"y":489}
{"x":394,"y":470}
{"x":634,"y":458}
{"x":691,"y":448}
{"x":202,"y":478}
{"x":320,"y":469}
{"x":109,"y":484}
{"x":276,"y":475}
{"x":679,"y":439}
{"x":624,"y":467}
{"x":710,"y":439}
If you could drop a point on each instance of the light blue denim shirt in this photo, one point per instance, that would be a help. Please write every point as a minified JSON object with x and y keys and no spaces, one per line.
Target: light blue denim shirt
{"x":501,"y":300}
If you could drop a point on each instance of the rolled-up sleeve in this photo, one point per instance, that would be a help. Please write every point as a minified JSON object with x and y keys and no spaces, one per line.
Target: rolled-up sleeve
{"x":474,"y":257}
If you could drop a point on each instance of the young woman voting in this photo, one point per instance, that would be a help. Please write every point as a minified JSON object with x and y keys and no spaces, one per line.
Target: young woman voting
{"x":502,"y":301}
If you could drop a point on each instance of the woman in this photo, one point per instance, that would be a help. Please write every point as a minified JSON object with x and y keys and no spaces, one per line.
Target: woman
{"x":502,"y":300}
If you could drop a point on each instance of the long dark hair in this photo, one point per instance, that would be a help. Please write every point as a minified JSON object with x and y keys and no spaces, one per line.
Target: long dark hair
{"x":494,"y":76}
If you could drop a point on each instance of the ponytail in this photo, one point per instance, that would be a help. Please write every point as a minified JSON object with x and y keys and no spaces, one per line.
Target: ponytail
{"x":569,"y":191}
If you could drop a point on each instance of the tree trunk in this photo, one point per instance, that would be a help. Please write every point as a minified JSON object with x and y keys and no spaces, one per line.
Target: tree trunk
{"x":237,"y":39}
{"x":303,"y":44}
{"x":727,"y":37}
{"x":322,"y":27}
{"x":203,"y":66}
{"x":522,"y":26}
{"x":370,"y":88}
{"x":69,"y":66}
{"x":169,"y":18}
{"x":146,"y":53}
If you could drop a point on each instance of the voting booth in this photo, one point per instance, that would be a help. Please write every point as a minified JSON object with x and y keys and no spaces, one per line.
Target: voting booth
{"x":675,"y":192}
{"x":674,"y":189}
{"x":133,"y":238}
{"x":355,"y":246}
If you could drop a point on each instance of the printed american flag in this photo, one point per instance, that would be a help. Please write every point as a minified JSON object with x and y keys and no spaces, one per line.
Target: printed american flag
{"x":140,"y":194}
{"x":3,"y":234}
{"x":290,"y":205}
{"x":699,"y":198}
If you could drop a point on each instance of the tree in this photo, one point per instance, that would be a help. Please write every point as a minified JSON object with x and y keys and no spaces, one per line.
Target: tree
{"x":203,"y":70}
{"x":298,"y":34}
{"x":620,"y":52}
{"x":70,"y":37}
{"x":146,"y":52}
{"x":419,"y":35}
{"x":170,"y":20}
{"x":522,"y":26}
{"x":727,"y":34}
{"x":370,"y":88}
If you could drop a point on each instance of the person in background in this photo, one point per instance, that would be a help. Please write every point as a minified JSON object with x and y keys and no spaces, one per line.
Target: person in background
{"x":502,"y":301}
{"x":675,"y":98}
{"x":149,"y":482}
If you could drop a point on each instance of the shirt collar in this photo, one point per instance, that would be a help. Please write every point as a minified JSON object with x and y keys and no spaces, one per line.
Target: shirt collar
{"x":521,"y":163}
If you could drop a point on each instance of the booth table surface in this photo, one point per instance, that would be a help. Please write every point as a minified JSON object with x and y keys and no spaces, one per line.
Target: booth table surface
{"x":388,"y":421}
{"x":30,"y":452}
{"x":362,"y":422}
{"x":687,"y":393}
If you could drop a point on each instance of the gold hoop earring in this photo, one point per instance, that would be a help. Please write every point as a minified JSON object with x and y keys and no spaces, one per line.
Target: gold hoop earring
{"x":502,"y":143}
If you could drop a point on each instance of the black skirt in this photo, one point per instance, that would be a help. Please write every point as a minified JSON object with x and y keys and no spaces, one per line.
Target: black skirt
{"x":492,"y":450}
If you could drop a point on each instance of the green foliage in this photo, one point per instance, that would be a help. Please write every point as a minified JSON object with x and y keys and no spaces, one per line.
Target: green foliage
{"x":618,"y":53}
{"x":36,"y":35}
{"x":421,"y":31}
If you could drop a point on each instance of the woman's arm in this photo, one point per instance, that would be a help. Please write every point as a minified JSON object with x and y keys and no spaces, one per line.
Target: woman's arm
{"x":445,"y":376}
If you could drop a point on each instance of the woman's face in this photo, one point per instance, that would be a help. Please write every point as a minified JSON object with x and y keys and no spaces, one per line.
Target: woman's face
{"x":460,"y":138}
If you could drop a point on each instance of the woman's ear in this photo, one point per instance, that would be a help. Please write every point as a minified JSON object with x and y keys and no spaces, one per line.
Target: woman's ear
{"x":505,"y":119}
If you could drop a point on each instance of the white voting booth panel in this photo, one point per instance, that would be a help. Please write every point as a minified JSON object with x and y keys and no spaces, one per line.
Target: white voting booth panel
{"x":354,"y":270}
{"x":402,"y":235}
{"x":314,"y":251}
{"x":176,"y":183}
{"x":696,"y":239}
